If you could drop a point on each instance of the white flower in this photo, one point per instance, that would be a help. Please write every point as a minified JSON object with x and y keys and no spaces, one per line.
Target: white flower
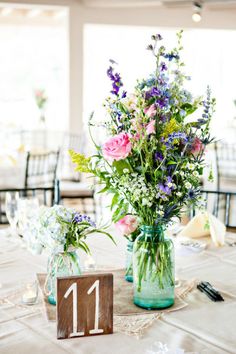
{"x":190,"y":166}
{"x":144,"y":202}
{"x":195,"y":174}
{"x":181,"y":173}
{"x":188,"y":185}
{"x":179,"y":194}
{"x":169,"y":184}
{"x":160,"y":212}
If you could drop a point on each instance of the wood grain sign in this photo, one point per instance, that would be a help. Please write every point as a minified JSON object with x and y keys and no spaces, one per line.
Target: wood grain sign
{"x":84,"y":305}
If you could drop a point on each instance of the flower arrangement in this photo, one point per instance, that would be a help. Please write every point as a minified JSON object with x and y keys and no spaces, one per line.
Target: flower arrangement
{"x":61,"y":228}
{"x":152,"y":163}
{"x":153,"y":160}
{"x":40,"y":98}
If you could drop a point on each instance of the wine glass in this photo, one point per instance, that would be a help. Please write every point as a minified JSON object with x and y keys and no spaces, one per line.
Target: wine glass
{"x":11,"y":206}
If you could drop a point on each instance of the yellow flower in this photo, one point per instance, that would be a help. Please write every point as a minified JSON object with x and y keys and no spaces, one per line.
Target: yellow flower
{"x":81,"y":161}
{"x":171,"y":127}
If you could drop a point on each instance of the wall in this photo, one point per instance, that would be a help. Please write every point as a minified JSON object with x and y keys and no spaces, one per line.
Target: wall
{"x":152,"y":16}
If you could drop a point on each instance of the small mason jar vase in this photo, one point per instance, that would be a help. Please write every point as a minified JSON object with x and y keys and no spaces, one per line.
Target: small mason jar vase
{"x":129,"y":261}
{"x":60,"y":264}
{"x":153,"y":268}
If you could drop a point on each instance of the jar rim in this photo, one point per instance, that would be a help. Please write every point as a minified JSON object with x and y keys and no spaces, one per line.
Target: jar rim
{"x":152,"y":228}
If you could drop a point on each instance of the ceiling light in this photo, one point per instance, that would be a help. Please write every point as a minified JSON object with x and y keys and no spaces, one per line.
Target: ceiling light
{"x":196,"y":16}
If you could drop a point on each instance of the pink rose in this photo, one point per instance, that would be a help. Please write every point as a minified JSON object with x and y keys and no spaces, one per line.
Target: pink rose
{"x":150,"y":128}
{"x":117,"y":148}
{"x":150,"y":111}
{"x":197,"y":146}
{"x":127,"y":224}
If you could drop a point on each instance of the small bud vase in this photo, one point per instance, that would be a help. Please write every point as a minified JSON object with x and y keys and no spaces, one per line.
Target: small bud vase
{"x":60,"y":264}
{"x":129,"y":261}
{"x":153,"y":267}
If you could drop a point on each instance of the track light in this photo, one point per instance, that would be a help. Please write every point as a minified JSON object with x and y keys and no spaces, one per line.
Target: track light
{"x":196,"y":16}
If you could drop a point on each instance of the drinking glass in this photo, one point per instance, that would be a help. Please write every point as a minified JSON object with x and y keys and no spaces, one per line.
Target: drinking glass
{"x":27,"y":209}
{"x":11,"y":206}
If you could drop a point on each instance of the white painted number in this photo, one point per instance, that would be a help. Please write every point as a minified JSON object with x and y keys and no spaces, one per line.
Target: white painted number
{"x":96,"y":329}
{"x":73,"y":289}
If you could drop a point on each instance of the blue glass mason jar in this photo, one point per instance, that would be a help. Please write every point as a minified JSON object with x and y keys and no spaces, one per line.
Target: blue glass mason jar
{"x":129,"y":261}
{"x":153,"y":269}
{"x":60,"y":264}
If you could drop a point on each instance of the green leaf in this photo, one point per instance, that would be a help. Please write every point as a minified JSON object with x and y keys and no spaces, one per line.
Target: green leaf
{"x":103,"y":190}
{"x":121,"y":165}
{"x":120,"y":211}
{"x":115,"y":200}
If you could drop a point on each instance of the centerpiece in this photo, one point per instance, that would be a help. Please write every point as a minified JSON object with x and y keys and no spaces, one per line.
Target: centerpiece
{"x":41,"y":101}
{"x":152,"y":163}
{"x":63,"y":231}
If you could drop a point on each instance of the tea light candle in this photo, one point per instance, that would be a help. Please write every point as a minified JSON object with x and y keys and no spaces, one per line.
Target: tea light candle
{"x":30,"y":294}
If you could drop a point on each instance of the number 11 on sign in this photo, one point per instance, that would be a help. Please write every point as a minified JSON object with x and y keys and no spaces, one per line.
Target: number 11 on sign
{"x":95,"y":285}
{"x":73,"y":289}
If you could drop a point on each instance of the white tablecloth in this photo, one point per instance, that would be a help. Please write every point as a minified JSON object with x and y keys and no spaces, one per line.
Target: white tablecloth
{"x":201,"y":327}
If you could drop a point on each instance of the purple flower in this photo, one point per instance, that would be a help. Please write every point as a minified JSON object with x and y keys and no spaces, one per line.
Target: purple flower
{"x":150,"y":47}
{"x":164,"y":189}
{"x":156,"y":37}
{"x":154,"y":91}
{"x":80,"y":218}
{"x":162,"y":102}
{"x":116,"y":80}
{"x":163,"y":66}
{"x":158,"y":156}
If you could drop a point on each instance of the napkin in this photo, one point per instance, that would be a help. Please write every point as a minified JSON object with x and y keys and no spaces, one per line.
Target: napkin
{"x":205,"y":224}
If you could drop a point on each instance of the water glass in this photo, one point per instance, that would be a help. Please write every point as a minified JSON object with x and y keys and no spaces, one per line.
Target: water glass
{"x":11,"y":207}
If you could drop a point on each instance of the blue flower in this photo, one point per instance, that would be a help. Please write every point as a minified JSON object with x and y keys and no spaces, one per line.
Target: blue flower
{"x":171,"y":56}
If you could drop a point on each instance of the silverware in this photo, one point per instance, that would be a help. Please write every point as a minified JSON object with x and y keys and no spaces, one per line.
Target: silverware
{"x":231,"y":243}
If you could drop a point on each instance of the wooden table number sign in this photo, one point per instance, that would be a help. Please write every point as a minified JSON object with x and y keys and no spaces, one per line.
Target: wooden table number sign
{"x":84,"y":305}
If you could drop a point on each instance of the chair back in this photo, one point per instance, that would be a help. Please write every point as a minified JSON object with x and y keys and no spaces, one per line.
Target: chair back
{"x":47,"y":196}
{"x":75,"y":142}
{"x":41,"y":169}
{"x":222,"y":205}
{"x":226,"y":165}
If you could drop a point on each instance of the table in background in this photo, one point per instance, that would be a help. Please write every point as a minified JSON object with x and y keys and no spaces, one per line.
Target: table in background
{"x":202,"y":327}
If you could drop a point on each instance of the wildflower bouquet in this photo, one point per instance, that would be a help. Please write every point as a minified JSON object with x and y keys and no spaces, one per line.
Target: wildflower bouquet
{"x":153,"y":159}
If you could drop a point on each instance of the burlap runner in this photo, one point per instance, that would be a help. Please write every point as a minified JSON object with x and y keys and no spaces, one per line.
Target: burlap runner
{"x":123,"y":297}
